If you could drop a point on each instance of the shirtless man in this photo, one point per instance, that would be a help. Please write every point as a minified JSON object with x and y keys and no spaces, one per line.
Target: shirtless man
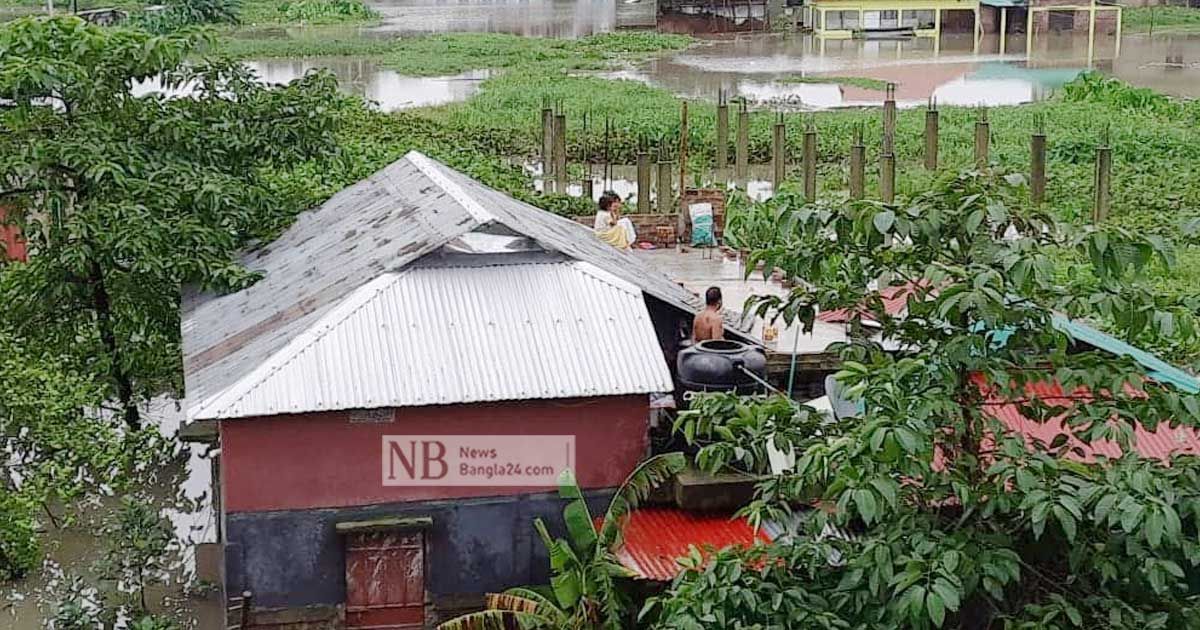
{"x":708,"y":324}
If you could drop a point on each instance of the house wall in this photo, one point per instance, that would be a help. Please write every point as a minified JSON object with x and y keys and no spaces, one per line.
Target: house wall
{"x":295,"y":559}
{"x":323,"y":460}
{"x":287,"y":481}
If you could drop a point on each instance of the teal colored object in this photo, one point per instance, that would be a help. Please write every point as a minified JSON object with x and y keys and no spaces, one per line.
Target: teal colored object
{"x":702,"y":231}
{"x":1156,"y":368}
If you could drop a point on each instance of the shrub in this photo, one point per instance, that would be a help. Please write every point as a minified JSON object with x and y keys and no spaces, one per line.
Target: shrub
{"x":326,"y":11}
{"x":19,"y":549}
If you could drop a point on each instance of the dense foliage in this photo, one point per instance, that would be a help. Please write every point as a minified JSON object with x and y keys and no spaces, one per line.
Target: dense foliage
{"x":926,"y":508}
{"x":122,"y":199}
{"x":177,"y":14}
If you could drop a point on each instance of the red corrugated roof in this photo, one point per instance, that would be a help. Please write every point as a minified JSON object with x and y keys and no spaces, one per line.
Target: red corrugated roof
{"x":12,"y":246}
{"x":654,"y":537}
{"x":895,"y":301}
{"x":1161,"y":443}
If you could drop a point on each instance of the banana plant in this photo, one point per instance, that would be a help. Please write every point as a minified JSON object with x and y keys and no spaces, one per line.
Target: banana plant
{"x":584,"y":591}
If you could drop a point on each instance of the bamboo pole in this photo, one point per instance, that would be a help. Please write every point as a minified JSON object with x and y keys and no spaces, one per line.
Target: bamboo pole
{"x":547,"y":141}
{"x":1037,"y":165}
{"x":858,"y":155}
{"x":810,"y":162}
{"x":643,"y":182}
{"x":742,"y":150}
{"x":887,"y":178}
{"x":931,"y":136}
{"x":666,"y":188}
{"x":722,"y":131}
{"x":889,"y":118}
{"x":981,"y":139}
{"x":560,"y":153}
{"x":1103,"y":181}
{"x":684,"y":142}
{"x":778,"y":152}
{"x":585,"y":148}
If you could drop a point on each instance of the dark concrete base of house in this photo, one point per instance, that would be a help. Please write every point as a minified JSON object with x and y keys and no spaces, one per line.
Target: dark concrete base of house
{"x":295,"y":562}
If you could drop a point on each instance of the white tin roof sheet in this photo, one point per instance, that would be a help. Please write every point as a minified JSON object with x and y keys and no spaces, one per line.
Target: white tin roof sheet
{"x":378,"y":226}
{"x":433,"y":335}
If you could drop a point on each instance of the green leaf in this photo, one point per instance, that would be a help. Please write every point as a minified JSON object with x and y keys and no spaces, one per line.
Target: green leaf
{"x":884,"y":221}
{"x":937,"y":610}
{"x":1066,"y":520}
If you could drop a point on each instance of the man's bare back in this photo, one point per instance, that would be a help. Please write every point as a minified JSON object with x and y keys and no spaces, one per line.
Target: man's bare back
{"x":708,"y":325}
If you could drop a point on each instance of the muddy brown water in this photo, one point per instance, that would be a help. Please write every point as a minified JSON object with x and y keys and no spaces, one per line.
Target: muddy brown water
{"x":763,"y":67}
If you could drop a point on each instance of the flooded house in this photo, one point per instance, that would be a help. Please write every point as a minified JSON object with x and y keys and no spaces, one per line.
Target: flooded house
{"x":417,"y":306}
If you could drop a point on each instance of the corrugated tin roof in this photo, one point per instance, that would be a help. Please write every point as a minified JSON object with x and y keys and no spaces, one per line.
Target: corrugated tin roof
{"x":653,"y":538}
{"x":461,"y":334}
{"x":409,"y":209}
{"x":1156,"y":368}
{"x":895,"y":302}
{"x":1161,"y":443}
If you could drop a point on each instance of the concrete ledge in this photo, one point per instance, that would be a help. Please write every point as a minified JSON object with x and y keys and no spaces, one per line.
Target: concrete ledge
{"x":306,"y":618}
{"x":384,"y":524}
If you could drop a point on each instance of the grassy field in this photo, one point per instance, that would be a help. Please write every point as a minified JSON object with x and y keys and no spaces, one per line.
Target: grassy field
{"x":1142,"y":19}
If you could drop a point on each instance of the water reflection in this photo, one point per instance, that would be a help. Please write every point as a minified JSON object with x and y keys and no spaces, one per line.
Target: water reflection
{"x":955,"y":70}
{"x":389,"y":90}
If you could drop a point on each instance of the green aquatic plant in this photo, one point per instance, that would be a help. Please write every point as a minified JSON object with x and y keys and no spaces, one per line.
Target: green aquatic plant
{"x":326,"y":11}
{"x":867,"y":83}
{"x":1160,"y":18}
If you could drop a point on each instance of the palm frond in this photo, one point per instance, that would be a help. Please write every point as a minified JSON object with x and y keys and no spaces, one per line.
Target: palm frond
{"x":637,"y":486}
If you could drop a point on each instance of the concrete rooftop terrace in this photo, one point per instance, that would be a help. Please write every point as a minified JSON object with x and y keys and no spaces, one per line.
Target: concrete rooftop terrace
{"x":697,"y":270}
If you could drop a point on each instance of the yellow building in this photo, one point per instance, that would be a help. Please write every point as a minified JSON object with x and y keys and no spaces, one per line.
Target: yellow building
{"x":841,"y":19}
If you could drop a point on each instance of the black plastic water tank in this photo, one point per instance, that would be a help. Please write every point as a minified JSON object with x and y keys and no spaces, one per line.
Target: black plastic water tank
{"x":721,"y":365}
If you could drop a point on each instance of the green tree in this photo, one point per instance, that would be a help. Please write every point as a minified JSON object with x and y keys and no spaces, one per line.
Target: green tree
{"x":139,"y":550}
{"x":584,"y":590}
{"x":124,"y":198}
{"x":936,"y":514}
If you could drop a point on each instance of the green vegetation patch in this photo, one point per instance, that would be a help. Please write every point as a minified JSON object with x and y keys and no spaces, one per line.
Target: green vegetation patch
{"x":1138,"y":19}
{"x":866,"y":83}
{"x":307,"y":12}
{"x":454,"y":53}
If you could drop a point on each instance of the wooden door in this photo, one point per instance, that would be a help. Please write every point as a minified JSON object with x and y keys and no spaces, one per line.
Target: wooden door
{"x":385,"y":580}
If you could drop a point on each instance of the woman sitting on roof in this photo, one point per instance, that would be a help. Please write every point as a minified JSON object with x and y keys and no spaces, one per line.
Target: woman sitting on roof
{"x":610,"y":226}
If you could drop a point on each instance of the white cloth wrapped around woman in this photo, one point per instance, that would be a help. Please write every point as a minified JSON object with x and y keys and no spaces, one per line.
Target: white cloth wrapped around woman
{"x":619,"y":233}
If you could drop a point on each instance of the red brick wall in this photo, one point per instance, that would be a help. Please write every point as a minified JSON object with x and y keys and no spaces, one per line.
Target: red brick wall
{"x":322,"y":460}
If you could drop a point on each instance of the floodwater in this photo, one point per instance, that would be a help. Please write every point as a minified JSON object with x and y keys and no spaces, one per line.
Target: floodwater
{"x":182,"y":491}
{"x":766,"y":68}
{"x":388,"y":89}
